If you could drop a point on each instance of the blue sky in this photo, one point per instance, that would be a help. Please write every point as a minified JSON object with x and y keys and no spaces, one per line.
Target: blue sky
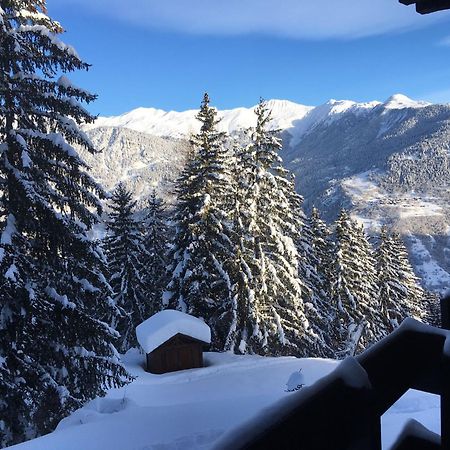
{"x":166,"y":53}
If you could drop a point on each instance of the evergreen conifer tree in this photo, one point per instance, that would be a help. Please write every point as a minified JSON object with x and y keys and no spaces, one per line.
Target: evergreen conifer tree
{"x":408,"y":278}
{"x":316,"y":304}
{"x":267,"y":297}
{"x":200,"y":284}
{"x":124,"y":251}
{"x":359,"y":320}
{"x":431,"y":312}
{"x":241,"y":312}
{"x":323,"y":246}
{"x":316,"y":251}
{"x":156,"y":237}
{"x":56,"y":351}
{"x":400,"y":295}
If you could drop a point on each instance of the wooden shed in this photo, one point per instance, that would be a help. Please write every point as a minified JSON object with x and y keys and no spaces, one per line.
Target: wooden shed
{"x":172,"y":341}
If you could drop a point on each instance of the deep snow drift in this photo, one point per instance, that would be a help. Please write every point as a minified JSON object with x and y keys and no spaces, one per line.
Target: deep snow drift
{"x":191,"y":409}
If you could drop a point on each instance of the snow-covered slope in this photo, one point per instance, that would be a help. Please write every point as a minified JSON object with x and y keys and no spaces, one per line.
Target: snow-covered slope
{"x":141,"y":161}
{"x":191,"y":409}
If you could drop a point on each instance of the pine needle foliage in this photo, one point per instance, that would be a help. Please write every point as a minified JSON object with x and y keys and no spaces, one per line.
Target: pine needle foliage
{"x":268,"y":312}
{"x":400,"y":294}
{"x":124,"y":250}
{"x":199,"y":283}
{"x":359,"y":321}
{"x":155,"y":260}
{"x":56,"y":350}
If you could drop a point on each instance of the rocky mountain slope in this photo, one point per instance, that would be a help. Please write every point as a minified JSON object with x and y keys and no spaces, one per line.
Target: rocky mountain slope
{"x":386,"y":162}
{"x":141,"y":161}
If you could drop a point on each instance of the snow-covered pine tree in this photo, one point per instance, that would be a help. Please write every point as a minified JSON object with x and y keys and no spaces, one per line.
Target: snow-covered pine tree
{"x":323,"y":246}
{"x":124,"y":250}
{"x":200,"y":284}
{"x":316,"y":304}
{"x":392,"y":294}
{"x":432,"y":308}
{"x":156,"y":238}
{"x":400,"y":294}
{"x":268,"y":296}
{"x":316,"y":249}
{"x":56,"y":352}
{"x":359,"y":320}
{"x":409,"y":279}
{"x":241,"y":313}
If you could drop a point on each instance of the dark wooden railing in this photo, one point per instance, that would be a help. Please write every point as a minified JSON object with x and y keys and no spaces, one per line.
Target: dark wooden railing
{"x":343,"y":410}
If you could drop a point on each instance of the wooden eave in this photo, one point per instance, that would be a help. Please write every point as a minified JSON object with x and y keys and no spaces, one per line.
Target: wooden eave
{"x":428,"y":6}
{"x":178,"y":335}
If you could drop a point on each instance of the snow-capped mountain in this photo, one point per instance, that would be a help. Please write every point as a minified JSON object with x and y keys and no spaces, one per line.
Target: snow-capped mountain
{"x":181,"y":124}
{"x":387,"y":162}
{"x":295,"y":118}
{"x":146,"y":147}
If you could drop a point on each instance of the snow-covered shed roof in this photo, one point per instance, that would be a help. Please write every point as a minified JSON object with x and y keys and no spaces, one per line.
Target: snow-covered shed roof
{"x":164,"y":325}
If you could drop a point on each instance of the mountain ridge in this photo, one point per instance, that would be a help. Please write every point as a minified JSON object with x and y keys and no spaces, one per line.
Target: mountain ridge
{"x":287,"y":115}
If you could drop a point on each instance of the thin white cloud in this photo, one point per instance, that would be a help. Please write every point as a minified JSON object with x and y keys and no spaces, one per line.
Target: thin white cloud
{"x":445,"y":42}
{"x":442,"y":96}
{"x":310,"y":19}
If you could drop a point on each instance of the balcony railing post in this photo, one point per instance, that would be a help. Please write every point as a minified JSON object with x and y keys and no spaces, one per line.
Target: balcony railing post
{"x":445,"y":312}
{"x":445,"y":403}
{"x":375,"y":431}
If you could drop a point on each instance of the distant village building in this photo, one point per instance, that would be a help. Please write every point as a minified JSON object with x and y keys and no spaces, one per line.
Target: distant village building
{"x":172,"y":341}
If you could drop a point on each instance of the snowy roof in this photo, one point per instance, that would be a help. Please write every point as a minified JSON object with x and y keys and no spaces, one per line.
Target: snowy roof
{"x":164,"y":325}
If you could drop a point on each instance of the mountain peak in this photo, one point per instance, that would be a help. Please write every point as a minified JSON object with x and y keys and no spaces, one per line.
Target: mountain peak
{"x":400,"y":101}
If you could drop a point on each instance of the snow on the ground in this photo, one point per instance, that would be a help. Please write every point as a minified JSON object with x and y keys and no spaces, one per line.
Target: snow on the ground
{"x":365,"y":192}
{"x":361,"y":186}
{"x":410,"y":213}
{"x":191,"y":409}
{"x":417,"y":208}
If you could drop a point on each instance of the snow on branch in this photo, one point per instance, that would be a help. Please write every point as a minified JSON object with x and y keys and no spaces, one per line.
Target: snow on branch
{"x":62,"y":299}
{"x":45,"y":32}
